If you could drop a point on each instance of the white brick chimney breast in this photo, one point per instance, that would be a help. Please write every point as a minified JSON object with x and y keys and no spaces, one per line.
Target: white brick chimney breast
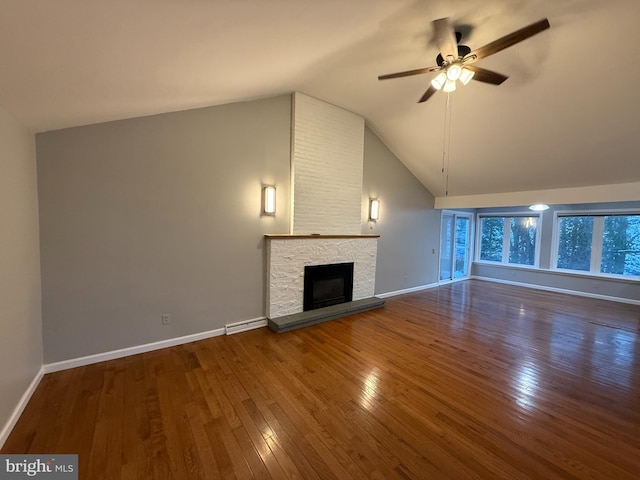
{"x":326,"y":190}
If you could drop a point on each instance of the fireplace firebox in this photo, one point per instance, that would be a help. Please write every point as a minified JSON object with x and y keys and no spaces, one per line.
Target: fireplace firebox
{"x":326,"y":285}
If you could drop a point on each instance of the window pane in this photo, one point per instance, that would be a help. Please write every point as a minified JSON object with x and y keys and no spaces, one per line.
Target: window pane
{"x":574,"y":244}
{"x":462,"y":244}
{"x":522,"y":241}
{"x":446,"y":246}
{"x":492,"y":229}
{"x":621,"y":245}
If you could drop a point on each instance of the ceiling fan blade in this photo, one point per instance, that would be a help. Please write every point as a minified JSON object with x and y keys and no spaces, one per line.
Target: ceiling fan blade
{"x":508,"y":40}
{"x":445,"y":38}
{"x":408,"y":73}
{"x":430,"y":91}
{"x":486,"y":76}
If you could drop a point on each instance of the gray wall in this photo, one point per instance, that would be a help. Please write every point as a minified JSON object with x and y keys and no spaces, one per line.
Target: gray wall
{"x":159,"y":214}
{"x":545,"y":277}
{"x":20,"y":321}
{"x":409,"y":227}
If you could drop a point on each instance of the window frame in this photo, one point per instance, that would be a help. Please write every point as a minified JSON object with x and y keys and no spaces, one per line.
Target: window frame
{"x":471,"y":243}
{"x":506,"y":237}
{"x":596,"y":249}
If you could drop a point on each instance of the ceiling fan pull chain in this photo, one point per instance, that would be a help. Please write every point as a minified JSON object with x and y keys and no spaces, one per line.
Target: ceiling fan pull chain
{"x":444,"y":137}
{"x":447,"y":141}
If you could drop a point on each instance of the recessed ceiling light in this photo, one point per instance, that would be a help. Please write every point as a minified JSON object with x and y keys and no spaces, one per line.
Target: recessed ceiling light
{"x":538,"y":207}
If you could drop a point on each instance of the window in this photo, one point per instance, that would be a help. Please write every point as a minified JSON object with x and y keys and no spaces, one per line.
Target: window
{"x":606,"y":244}
{"x":510,"y":239}
{"x":621,"y":245}
{"x":492,"y":229}
{"x":522,"y":240}
{"x":574,"y":244}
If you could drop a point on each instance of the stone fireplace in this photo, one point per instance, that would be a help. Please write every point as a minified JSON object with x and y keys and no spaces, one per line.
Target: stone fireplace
{"x":327,"y":210}
{"x":288,"y":255}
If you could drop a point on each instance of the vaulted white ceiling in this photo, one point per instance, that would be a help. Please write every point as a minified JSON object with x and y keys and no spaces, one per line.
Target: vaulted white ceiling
{"x":563,"y":126}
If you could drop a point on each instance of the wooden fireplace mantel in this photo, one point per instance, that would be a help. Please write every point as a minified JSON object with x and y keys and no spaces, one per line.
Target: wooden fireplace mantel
{"x":285,"y":236}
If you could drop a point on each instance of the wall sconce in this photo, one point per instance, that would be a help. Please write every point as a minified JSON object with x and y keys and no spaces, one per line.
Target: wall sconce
{"x":269,"y":200}
{"x":374,"y":209}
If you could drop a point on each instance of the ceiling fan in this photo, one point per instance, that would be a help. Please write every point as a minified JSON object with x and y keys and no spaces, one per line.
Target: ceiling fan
{"x":455,"y":62}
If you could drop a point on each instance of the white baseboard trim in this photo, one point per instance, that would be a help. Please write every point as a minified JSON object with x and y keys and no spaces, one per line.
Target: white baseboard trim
{"x":407,"y":290}
{"x":229,"y":329}
{"x":237,"y":327}
{"x":559,"y":290}
{"x":125,"y":352}
{"x":26,"y":396}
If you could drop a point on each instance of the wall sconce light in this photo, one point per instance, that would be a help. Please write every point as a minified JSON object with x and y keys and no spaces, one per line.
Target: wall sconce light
{"x":269,"y":200}
{"x":374,"y":209}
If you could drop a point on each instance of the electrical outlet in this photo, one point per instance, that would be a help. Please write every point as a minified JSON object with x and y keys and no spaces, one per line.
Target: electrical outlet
{"x":166,"y":318}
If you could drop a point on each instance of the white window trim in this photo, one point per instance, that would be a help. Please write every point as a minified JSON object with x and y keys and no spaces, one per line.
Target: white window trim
{"x":596,"y":249}
{"x":506,"y":236}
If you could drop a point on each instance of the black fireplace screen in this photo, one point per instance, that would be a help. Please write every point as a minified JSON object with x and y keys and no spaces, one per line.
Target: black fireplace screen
{"x":326,"y":285}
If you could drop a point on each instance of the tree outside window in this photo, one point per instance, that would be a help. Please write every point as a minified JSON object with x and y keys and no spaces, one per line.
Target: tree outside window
{"x":621,"y":245}
{"x":510,"y":240}
{"x":607,"y":244}
{"x":492,"y":231}
{"x":522,"y":241}
{"x":574,"y":244}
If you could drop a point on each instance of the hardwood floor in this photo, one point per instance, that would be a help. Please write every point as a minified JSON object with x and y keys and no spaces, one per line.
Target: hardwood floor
{"x":469,"y":380}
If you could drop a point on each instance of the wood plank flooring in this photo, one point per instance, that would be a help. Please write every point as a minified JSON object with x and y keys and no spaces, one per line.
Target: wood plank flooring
{"x":470,"y":380}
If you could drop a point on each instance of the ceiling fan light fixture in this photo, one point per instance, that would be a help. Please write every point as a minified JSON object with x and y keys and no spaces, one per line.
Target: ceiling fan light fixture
{"x":466,"y":75}
{"x":457,"y":56}
{"x":454,"y":71}
{"x":449,"y":86}
{"x":438,"y":81}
